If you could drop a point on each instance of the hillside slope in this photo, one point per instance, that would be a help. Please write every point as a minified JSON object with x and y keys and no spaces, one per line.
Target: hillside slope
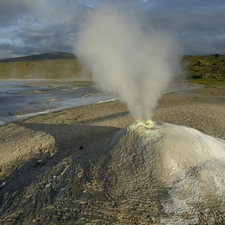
{"x":58,"y":65}
{"x":42,"y":66}
{"x":208,"y":66}
{"x":44,"y":56}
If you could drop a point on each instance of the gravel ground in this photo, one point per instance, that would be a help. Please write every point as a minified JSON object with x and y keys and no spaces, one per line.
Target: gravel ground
{"x":45,"y":162}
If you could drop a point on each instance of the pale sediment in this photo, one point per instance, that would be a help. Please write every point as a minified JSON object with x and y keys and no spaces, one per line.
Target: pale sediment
{"x":173,"y":172}
{"x":51,"y":170}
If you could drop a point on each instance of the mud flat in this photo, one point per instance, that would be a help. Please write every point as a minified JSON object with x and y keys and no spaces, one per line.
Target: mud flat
{"x":46,"y":163}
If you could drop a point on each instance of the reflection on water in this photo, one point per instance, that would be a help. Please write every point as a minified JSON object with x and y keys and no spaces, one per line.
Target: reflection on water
{"x":22,"y":99}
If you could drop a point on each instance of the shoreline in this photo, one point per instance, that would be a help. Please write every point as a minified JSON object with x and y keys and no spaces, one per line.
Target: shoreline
{"x":67,"y":103}
{"x":201,"y":109}
{"x":48,"y":149}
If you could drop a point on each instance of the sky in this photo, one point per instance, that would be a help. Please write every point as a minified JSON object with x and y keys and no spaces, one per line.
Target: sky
{"x":38,"y":26}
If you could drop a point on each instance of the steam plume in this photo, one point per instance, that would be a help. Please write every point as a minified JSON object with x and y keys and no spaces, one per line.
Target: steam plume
{"x":126,"y":58}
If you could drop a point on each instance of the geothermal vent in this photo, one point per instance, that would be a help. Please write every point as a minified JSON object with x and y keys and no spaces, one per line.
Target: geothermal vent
{"x":164,"y":174}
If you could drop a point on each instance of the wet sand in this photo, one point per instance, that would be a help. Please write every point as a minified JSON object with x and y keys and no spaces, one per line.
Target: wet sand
{"x":42,"y":158}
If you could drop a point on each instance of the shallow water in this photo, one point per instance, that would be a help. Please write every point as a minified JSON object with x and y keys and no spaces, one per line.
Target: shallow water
{"x":22,"y":99}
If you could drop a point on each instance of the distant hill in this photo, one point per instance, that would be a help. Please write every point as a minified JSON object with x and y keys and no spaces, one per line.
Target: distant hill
{"x":62,"y":65}
{"x":205,"y":67}
{"x":55,"y":65}
{"x":45,"y":56}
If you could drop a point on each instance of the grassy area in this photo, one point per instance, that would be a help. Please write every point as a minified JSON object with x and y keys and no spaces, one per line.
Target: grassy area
{"x":40,"y":69}
{"x":208,"y":69}
{"x":202,"y":67}
{"x":56,"y":65}
{"x":208,"y":82}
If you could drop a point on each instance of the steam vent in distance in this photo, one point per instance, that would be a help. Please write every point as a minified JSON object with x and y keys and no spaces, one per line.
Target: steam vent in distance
{"x":159,"y":173}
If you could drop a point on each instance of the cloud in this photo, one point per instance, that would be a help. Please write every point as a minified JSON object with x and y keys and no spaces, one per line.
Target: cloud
{"x":30,"y":26}
{"x":198,"y":26}
{"x":44,"y":11}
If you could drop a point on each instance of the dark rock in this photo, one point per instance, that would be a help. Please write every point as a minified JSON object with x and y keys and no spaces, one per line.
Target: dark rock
{"x":2,"y":185}
{"x":81,"y":147}
{"x":199,"y":63}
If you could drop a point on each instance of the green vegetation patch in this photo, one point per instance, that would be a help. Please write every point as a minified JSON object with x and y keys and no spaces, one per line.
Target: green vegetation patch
{"x":208,"y":69}
{"x":40,"y":69}
{"x":205,"y":67}
{"x":208,"y":82}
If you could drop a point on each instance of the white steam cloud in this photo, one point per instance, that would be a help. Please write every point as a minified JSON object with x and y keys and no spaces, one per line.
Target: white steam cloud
{"x":128,"y":58}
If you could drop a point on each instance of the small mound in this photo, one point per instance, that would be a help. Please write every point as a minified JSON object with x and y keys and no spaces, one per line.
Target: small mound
{"x":167,"y":173}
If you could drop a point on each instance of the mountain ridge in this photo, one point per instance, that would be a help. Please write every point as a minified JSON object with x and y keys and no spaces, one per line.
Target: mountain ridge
{"x":43,"y":56}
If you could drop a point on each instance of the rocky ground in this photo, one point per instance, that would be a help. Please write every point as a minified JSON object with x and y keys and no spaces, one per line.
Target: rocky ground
{"x":46,"y":162}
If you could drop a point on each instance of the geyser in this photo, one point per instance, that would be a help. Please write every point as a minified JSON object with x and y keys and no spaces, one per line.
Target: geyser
{"x":159,"y":172}
{"x":128,"y":57}
{"x":174,"y":174}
